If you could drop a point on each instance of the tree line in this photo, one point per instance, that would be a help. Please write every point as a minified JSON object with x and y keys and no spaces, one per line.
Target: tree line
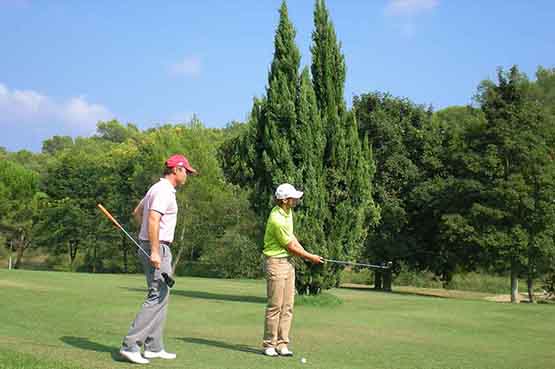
{"x":460,"y":189}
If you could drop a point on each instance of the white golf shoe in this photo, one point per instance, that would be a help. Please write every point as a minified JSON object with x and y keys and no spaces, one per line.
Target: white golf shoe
{"x":134,"y":357}
{"x":270,"y":351}
{"x":284,"y":351}
{"x":160,"y":354}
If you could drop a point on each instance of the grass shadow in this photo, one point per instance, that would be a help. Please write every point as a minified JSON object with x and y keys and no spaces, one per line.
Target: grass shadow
{"x":220,"y":344}
{"x":86,"y":344}
{"x":211,"y":296}
{"x":419,"y":294}
{"x":371,"y":289}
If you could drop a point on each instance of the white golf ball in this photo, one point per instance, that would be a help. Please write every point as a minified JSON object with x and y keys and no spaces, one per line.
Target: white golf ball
{"x":303,"y":360}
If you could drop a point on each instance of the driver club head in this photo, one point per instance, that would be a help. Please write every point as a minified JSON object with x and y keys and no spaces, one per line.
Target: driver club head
{"x":169,"y":280}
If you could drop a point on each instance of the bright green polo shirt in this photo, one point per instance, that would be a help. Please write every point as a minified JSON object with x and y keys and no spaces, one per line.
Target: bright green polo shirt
{"x":279,"y":232}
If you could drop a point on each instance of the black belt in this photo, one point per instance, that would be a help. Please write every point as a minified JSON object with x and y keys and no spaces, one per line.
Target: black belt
{"x":167,"y":243}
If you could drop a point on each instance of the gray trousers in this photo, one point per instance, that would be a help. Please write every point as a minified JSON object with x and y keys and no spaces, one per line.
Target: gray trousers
{"x":147,"y":328}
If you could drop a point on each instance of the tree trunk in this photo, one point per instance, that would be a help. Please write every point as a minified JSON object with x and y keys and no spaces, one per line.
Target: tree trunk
{"x":530,"y":284}
{"x":20,"y":247}
{"x":531,"y":249}
{"x":72,"y":250}
{"x":125,"y":259}
{"x":514,"y":284}
{"x":387,"y":279}
{"x":314,"y":290}
{"x":378,"y":279}
{"x":94,"y":258}
{"x":179,"y":251}
{"x":10,"y":260}
{"x":18,"y":255}
{"x":177,"y":258}
{"x":69,"y":259}
{"x":446,"y":278}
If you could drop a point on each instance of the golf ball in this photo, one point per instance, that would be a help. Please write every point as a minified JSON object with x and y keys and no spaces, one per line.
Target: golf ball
{"x":303,"y":360}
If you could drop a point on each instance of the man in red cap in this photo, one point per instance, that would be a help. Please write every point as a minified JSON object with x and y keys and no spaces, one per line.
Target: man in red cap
{"x":157,"y":214}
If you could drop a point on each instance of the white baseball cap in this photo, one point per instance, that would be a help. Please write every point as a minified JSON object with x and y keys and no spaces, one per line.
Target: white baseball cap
{"x":285,"y":191}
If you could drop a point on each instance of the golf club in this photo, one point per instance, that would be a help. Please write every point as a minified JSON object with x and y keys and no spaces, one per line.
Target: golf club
{"x":169,"y":280}
{"x":387,"y":266}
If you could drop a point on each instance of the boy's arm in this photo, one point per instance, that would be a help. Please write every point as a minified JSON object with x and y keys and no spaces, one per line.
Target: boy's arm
{"x":296,"y":248}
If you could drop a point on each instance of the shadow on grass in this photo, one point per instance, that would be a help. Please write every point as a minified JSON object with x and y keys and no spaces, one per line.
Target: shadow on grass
{"x":210,"y":296}
{"x":220,"y":344}
{"x":403,"y":293}
{"x":86,"y":344}
{"x":420,"y":294}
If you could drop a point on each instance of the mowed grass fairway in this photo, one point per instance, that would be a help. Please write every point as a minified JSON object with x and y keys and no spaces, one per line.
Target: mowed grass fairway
{"x":71,"y":320}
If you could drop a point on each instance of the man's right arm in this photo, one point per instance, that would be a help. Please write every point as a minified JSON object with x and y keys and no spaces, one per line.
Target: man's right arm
{"x":295,"y":248}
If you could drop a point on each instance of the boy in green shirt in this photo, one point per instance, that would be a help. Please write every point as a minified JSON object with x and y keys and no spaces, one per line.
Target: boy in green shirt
{"x":279,"y":244}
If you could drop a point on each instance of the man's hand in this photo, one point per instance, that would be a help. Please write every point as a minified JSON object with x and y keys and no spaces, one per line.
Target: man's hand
{"x":316,"y":259}
{"x":155,"y":260}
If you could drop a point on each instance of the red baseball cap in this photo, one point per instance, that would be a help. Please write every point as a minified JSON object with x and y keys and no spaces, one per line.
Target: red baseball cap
{"x":178,"y":160}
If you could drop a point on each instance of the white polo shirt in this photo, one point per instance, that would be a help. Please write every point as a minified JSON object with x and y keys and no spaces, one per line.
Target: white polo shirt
{"x":160,"y":198}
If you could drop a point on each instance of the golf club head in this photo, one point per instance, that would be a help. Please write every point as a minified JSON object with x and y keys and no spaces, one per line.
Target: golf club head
{"x":169,"y":280}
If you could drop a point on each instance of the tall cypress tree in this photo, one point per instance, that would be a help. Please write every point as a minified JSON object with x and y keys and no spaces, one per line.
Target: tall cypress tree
{"x":302,"y":133}
{"x":348,"y":162}
{"x":328,"y":63}
{"x":308,"y":139}
{"x":277,"y":117}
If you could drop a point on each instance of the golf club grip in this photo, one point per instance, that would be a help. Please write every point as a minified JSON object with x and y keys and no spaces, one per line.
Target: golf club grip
{"x":107,"y":213}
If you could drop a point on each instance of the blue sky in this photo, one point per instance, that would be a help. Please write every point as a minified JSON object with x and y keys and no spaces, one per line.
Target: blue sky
{"x":66,"y":64}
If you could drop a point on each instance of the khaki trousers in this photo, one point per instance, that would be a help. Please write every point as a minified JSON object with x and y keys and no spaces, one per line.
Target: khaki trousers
{"x":280,"y":288}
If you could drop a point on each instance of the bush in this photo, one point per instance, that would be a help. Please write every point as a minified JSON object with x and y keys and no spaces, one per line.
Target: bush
{"x":235,"y":256}
{"x":548,"y":283}
{"x":482,"y":282}
{"x":197,"y":269}
{"x":472,"y":281}
{"x":357,"y":276}
{"x":407,"y":277}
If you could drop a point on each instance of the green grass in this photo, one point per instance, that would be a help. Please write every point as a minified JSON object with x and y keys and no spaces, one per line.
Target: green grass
{"x":74,"y":320}
{"x":324,"y":299}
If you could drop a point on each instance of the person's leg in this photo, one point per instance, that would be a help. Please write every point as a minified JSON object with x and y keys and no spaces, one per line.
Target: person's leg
{"x":275,"y":285}
{"x":286,"y":317}
{"x":154,"y":341}
{"x":155,"y":305}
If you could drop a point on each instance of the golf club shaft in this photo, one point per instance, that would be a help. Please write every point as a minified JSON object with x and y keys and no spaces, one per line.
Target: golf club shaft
{"x":356,"y":264}
{"x":169,"y":281}
{"x":116,"y":223}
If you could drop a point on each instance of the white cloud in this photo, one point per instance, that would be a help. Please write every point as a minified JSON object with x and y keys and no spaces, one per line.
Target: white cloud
{"x":78,"y":110}
{"x":190,"y":66}
{"x":409,"y":7}
{"x":28,"y":109}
